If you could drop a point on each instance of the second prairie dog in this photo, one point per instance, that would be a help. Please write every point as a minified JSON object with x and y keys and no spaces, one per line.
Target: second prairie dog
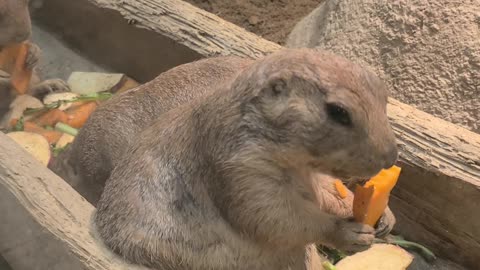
{"x":230,"y":177}
{"x":15,"y":27}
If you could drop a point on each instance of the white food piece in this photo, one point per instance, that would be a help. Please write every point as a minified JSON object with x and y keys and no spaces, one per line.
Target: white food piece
{"x":93,"y":82}
{"x":18,"y":105}
{"x":64,"y":140}
{"x":54,"y":97}
{"x":378,"y":257}
{"x":33,"y":143}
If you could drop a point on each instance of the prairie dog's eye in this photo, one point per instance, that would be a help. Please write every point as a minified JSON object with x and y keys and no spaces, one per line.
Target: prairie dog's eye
{"x":338,"y":114}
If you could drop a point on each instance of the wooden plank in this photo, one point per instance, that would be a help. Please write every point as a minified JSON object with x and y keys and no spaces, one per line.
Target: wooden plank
{"x":201,"y":31}
{"x":437,"y":200}
{"x":438,"y":195}
{"x":43,"y":215}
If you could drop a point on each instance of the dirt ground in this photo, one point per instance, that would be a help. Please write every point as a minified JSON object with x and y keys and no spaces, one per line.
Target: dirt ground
{"x":270,"y":19}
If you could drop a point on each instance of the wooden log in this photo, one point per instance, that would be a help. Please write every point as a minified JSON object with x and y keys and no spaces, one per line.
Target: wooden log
{"x":437,"y":199}
{"x":45,"y":224}
{"x":438,"y":194}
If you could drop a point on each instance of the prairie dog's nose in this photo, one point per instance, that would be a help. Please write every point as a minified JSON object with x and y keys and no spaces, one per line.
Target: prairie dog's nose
{"x":390,"y":157}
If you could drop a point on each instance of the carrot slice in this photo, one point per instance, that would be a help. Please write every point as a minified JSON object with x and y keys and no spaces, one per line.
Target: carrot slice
{"x":371,"y":200}
{"x":51,"y":117}
{"x":12,"y":61}
{"x":52,"y":136}
{"x":341,"y":189}
{"x":8,"y":56}
{"x":78,"y":115}
{"x":21,"y":76}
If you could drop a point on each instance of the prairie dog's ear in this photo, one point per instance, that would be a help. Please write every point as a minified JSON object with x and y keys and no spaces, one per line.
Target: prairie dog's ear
{"x":273,"y":98}
{"x":275,"y":87}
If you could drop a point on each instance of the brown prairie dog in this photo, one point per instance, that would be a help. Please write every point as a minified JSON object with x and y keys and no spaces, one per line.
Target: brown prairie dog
{"x":15,"y":27}
{"x":214,"y":164}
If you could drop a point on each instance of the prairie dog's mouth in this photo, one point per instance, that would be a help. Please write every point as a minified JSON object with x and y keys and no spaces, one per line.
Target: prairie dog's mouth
{"x":347,"y":178}
{"x":357,"y":181}
{"x":352,"y":181}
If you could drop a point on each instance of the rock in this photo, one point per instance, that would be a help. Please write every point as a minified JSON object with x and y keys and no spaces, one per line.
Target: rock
{"x":428,"y":51}
{"x":253,"y":20}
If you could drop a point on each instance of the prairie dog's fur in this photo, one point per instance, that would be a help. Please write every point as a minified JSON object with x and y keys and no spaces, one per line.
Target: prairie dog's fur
{"x":224,"y":163}
{"x":15,"y":27}
{"x":15,"y":24}
{"x":87,"y":163}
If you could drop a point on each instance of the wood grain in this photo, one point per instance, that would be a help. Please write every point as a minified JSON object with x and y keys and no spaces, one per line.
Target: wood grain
{"x":48,"y":218}
{"x":437,"y":198}
{"x":197,"y":29}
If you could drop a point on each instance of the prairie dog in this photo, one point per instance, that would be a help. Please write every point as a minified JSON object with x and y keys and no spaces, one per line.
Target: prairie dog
{"x":15,"y":27}
{"x":227,"y":176}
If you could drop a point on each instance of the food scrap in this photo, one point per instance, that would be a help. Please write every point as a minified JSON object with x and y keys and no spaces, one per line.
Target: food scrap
{"x":47,"y":128}
{"x":342,"y":190}
{"x":371,"y":199}
{"x":378,"y":257}
{"x":12,"y":61}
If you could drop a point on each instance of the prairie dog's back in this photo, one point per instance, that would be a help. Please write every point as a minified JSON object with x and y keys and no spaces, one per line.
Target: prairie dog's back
{"x":116,"y":123}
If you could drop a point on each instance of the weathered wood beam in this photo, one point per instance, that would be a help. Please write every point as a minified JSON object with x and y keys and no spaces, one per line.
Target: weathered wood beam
{"x":45,"y":224}
{"x":437,"y":199}
{"x":438,"y":196}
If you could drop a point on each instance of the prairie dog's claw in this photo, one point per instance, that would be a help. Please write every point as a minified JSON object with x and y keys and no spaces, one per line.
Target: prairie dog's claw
{"x":353,"y":237}
{"x":49,"y":86}
{"x":33,"y":56}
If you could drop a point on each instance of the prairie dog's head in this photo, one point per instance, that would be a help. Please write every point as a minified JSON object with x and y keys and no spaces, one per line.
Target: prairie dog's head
{"x":316,"y":109}
{"x":15,"y":25}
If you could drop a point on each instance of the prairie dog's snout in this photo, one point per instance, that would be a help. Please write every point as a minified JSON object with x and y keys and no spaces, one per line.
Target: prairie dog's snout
{"x":391,"y":156}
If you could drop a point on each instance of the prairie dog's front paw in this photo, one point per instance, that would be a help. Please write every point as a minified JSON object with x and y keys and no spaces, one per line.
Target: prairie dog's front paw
{"x":33,"y":56}
{"x":352,"y":236}
{"x":49,"y":86}
{"x":385,"y":224}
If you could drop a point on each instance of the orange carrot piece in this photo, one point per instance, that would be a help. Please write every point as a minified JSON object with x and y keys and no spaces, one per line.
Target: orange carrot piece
{"x":8,"y":56}
{"x":21,"y":76}
{"x":51,"y":117}
{"x":371,"y":200}
{"x":361,"y":202}
{"x":77,"y":116}
{"x":52,"y":136}
{"x":341,"y":189}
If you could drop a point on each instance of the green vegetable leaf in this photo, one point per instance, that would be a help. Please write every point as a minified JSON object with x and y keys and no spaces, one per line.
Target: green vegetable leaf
{"x":19,"y":126}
